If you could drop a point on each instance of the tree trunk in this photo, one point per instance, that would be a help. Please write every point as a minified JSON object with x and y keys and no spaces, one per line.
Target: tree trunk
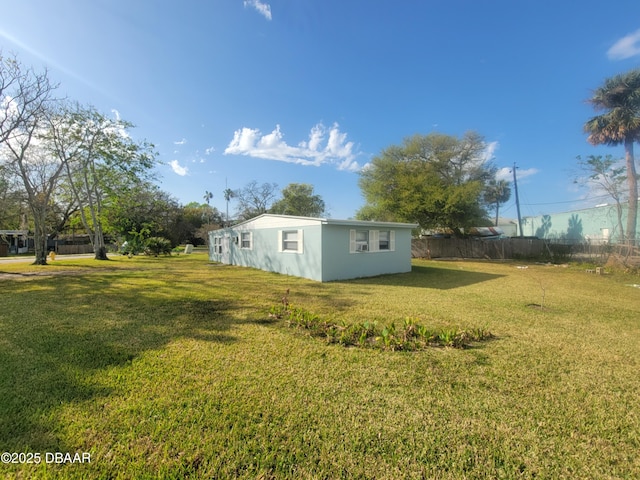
{"x":101,"y":253}
{"x":99,"y":247}
{"x":40,"y":237}
{"x":41,"y":251}
{"x":632,"y":178}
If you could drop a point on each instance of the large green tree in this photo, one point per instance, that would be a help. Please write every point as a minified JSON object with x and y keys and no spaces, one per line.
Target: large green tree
{"x":299,"y":199}
{"x":101,"y":160}
{"x":619,"y":99}
{"x":435,"y":180}
{"x":198,"y":220}
{"x":142,"y":211}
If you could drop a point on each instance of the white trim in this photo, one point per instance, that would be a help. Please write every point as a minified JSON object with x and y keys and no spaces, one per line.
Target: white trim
{"x":268,"y":220}
{"x":374,"y":241}
{"x":299,"y":240}
{"x":250,"y":247}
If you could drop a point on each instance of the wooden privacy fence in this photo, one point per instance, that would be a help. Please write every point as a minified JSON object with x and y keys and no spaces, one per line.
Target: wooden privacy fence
{"x":73,"y":249}
{"x":499,"y":249}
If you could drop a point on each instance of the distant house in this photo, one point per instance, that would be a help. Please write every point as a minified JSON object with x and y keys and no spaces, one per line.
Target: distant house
{"x":321,"y":249}
{"x":13,"y":241}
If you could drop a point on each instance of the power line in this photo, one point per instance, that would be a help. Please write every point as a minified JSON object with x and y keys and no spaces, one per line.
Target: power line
{"x":597,"y":197}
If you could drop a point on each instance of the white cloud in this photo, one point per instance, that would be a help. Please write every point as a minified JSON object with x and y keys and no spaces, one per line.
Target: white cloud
{"x":627,"y":47}
{"x":117,"y":126}
{"x":506,"y":173}
{"x":489,"y":150}
{"x":209,"y":151}
{"x":180,"y":142}
{"x":263,"y":9}
{"x":325,"y":146}
{"x":178,"y":169}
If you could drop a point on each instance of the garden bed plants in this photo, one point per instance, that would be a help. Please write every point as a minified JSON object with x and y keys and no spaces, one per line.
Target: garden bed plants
{"x":408,"y":336}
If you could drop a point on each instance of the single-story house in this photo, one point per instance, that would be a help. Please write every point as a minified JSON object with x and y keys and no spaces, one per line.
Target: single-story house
{"x":321,"y":249}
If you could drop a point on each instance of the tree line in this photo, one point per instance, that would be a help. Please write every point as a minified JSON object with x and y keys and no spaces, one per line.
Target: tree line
{"x":68,"y":167}
{"x":65,"y":166}
{"x":445,"y":182}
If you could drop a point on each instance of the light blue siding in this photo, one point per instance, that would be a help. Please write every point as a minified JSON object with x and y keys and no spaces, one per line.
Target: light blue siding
{"x":264,"y":253}
{"x":324,"y":250}
{"x":339,"y":263}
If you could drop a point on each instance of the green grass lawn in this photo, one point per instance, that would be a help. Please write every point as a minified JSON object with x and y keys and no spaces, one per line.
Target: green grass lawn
{"x":171,"y":368}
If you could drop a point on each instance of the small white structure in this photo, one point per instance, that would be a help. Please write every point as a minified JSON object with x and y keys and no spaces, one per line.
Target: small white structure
{"x":321,"y":249}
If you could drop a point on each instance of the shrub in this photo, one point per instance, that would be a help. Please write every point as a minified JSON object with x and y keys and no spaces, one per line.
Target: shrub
{"x":157,"y":245}
{"x":411,"y":336}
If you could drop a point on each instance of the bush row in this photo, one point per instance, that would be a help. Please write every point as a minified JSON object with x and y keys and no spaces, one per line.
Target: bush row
{"x":409,"y":336}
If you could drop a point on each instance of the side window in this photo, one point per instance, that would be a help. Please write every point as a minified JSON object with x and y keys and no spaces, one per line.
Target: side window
{"x":290,"y":241}
{"x":246,"y":240}
{"x":361,"y":241}
{"x":217,"y":245}
{"x":383,"y":240}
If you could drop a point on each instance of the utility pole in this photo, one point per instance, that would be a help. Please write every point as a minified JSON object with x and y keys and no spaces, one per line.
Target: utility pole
{"x":515,"y":188}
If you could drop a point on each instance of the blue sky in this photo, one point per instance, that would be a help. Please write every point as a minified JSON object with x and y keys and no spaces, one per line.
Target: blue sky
{"x":308,"y":91}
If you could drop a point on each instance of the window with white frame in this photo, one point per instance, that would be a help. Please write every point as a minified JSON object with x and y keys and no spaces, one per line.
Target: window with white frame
{"x":290,"y":241}
{"x":362,"y":240}
{"x":246,"y":240}
{"x":383,"y":240}
{"x":367,"y":241}
{"x":217,"y":245}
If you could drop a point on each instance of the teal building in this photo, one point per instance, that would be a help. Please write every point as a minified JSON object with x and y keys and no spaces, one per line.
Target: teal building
{"x":321,"y":249}
{"x":597,"y":225}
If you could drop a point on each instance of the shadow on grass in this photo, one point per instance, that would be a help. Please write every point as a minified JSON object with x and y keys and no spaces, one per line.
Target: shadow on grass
{"x":55,"y":334}
{"x":429,"y":277}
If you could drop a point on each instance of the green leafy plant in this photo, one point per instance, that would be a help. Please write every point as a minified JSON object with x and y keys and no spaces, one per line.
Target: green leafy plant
{"x":157,"y":246}
{"x":448,"y":337}
{"x":410,"y":336}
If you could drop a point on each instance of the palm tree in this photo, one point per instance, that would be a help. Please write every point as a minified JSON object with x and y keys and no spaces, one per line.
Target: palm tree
{"x":619,"y":97}
{"x":228,"y":195}
{"x":497,"y":192}
{"x":207,"y":198}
